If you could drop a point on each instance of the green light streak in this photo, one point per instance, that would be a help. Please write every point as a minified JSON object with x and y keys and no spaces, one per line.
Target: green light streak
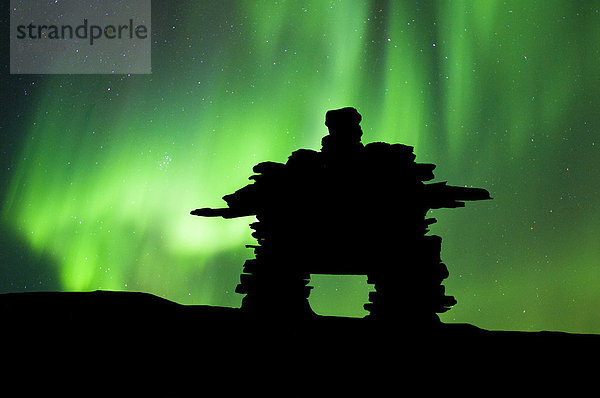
{"x":506,"y":100}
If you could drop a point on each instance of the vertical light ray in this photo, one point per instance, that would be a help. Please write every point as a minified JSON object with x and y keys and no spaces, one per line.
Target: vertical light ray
{"x":501,"y":95}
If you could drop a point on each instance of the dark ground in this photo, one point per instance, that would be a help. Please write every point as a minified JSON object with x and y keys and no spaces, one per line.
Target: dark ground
{"x":136,"y":344}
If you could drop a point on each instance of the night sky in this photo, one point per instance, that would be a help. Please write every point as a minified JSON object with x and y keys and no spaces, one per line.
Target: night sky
{"x":99,"y":172}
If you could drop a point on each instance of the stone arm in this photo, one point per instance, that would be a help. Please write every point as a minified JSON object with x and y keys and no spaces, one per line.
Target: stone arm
{"x":246,"y":201}
{"x":440,"y":195}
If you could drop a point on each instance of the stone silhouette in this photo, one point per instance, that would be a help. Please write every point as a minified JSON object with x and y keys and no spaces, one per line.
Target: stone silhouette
{"x":349,"y":209}
{"x":346,"y":209}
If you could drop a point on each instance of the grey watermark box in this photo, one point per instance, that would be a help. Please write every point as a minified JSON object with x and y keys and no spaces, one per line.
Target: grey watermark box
{"x":80,"y":36}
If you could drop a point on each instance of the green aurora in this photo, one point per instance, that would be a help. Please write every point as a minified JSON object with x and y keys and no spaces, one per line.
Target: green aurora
{"x":100,"y":171}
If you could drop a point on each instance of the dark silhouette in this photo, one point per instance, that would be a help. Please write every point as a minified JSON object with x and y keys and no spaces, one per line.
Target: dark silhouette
{"x":349,"y":209}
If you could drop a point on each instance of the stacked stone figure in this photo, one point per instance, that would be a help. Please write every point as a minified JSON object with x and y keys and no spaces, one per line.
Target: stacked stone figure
{"x":349,"y":209}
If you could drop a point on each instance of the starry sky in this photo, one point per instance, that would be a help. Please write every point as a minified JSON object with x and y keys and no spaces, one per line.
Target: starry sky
{"x":98,"y":173}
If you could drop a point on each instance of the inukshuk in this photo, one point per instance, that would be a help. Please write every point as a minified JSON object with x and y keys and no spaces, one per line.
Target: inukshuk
{"x":349,"y":209}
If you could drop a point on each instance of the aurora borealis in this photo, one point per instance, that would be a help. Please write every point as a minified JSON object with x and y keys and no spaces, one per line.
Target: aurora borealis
{"x":99,"y":172}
